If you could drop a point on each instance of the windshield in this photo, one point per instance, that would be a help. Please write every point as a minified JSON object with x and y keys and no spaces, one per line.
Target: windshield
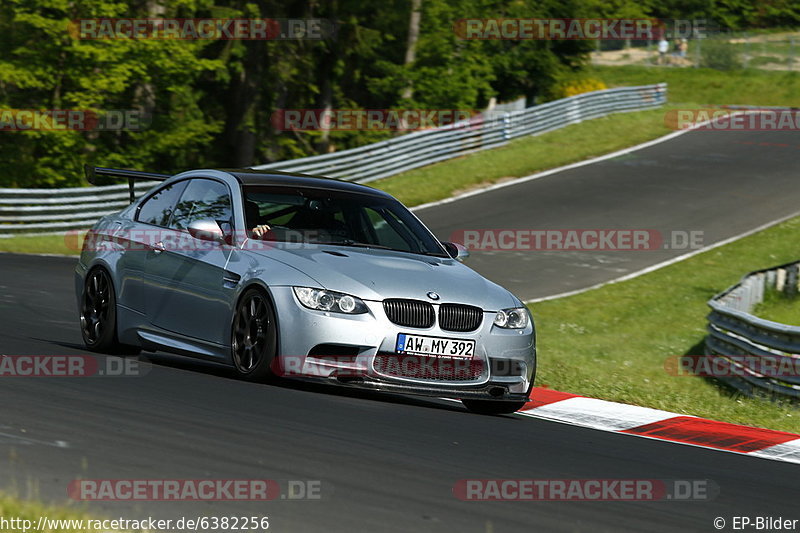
{"x":336,"y":217}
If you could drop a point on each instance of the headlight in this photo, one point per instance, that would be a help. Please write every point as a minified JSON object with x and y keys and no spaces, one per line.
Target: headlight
{"x":514,"y":318}
{"x":336,"y":302}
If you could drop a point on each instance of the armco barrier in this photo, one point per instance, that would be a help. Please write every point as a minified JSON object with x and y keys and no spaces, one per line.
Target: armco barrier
{"x":56,"y":210}
{"x":400,"y":154}
{"x":734,"y":331}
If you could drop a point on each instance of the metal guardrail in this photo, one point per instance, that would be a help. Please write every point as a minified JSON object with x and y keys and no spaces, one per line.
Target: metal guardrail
{"x":54,"y":210}
{"x":489,"y":130}
{"x":25,"y":211}
{"x":751,"y":345}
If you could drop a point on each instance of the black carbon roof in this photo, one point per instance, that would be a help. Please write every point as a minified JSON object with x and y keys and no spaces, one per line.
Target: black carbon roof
{"x":248,"y":176}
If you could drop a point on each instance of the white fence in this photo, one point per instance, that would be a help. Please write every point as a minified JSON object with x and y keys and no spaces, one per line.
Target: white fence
{"x":56,"y":210}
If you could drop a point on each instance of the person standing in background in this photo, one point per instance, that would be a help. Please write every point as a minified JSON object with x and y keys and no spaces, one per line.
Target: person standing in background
{"x":683,"y":47}
{"x":663,"y":48}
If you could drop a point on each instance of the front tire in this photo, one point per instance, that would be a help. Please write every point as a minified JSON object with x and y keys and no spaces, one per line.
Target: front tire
{"x":492,"y":407}
{"x":254,"y":340}
{"x":98,"y":315}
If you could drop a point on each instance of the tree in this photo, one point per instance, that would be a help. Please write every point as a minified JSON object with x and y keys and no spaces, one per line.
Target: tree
{"x":44,"y":67}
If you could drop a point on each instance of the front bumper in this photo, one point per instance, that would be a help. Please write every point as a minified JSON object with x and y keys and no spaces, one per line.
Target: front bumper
{"x":487,"y":392}
{"x":343,"y":349}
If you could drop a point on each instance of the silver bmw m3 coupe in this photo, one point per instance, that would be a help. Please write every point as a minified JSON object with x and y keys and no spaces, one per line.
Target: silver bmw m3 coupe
{"x":288,"y":275}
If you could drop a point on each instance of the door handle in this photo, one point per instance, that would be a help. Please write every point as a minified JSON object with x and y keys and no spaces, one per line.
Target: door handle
{"x":159,"y":247}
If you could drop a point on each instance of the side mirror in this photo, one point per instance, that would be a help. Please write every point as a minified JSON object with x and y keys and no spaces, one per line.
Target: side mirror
{"x":457,"y":251}
{"x":206,"y":229}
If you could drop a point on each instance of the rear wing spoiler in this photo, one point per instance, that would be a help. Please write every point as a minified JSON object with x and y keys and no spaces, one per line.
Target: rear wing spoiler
{"x":130,"y":175}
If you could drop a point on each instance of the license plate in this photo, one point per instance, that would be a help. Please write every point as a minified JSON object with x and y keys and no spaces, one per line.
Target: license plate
{"x":438,"y":346}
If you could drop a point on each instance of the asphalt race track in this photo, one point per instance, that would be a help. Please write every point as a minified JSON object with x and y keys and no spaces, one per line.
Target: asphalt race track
{"x":389,"y":463}
{"x":720,"y":183}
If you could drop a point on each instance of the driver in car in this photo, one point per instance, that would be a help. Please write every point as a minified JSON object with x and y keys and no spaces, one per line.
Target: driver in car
{"x":252,"y":215}
{"x":312,"y":220}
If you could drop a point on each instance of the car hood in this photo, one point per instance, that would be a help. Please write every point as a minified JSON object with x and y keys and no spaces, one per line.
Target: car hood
{"x":376,"y":274}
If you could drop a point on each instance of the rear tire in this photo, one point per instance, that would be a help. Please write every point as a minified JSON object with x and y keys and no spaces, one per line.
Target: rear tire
{"x":254,"y":338}
{"x":492,"y":407}
{"x":98,"y":315}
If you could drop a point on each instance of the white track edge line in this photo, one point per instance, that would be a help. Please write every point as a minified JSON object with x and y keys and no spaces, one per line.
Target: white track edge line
{"x":668,"y":262}
{"x":556,"y":170}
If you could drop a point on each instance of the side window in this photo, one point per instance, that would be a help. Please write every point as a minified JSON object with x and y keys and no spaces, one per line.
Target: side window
{"x":204,"y":198}
{"x":158,"y":208}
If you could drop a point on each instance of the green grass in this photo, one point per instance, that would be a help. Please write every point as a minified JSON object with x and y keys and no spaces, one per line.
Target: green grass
{"x":11,"y":507}
{"x":525,"y":156}
{"x":766,"y":60}
{"x":689,"y":87}
{"x":779,"y":307}
{"x":42,"y":244}
{"x":784,"y":48}
{"x":519,"y":158}
{"x":707,"y":86}
{"x":613,"y":342}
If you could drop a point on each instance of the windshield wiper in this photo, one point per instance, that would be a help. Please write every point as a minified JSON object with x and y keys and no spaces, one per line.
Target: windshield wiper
{"x":356,"y":244}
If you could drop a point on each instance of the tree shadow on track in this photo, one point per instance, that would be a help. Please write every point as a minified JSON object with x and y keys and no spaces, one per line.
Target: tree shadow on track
{"x":223,"y":371}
